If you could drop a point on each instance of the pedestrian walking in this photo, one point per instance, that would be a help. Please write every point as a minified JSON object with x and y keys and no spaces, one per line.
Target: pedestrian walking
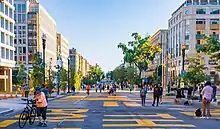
{"x":207,"y":94}
{"x":214,"y":87}
{"x":156,"y":95}
{"x":130,"y":87}
{"x":88,"y":89}
{"x":41,"y":104}
{"x":100,"y":88}
{"x":143,"y":93}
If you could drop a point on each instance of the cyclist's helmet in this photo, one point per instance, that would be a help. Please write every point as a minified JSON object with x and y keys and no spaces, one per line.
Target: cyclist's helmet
{"x":38,"y":90}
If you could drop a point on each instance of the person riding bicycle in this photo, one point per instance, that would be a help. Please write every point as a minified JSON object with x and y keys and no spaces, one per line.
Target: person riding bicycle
{"x":41,"y":104}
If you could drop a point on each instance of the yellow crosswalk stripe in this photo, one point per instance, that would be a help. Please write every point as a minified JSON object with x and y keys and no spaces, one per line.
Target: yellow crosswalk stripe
{"x":110,"y":104}
{"x":166,"y":116}
{"x":131,"y":104}
{"x":6,"y":123}
{"x":164,"y":120}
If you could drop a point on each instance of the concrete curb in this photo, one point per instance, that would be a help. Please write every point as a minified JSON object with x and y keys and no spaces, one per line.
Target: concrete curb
{"x":6,"y":111}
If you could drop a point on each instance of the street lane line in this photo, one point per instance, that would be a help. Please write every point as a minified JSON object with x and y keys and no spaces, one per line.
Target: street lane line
{"x":67,"y":120}
{"x":165,"y":116}
{"x":175,"y":125}
{"x":131,"y":104}
{"x":6,"y":123}
{"x":110,"y":104}
{"x":161,"y":120}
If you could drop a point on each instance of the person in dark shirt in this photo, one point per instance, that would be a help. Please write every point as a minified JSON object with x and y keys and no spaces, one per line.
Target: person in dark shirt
{"x":156,"y":94}
{"x":214,"y":92}
{"x":45,"y":91}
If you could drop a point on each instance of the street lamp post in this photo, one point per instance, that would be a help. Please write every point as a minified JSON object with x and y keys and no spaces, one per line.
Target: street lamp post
{"x":68,"y":75}
{"x":44,"y":45}
{"x":183,"y":56}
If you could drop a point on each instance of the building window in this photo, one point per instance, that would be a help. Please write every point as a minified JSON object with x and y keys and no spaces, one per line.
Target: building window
{"x":200,"y":11}
{"x":23,"y":18}
{"x":24,"y":27}
{"x":214,"y":21}
{"x":7,"y":39}
{"x":2,"y":22}
{"x":200,"y":21}
{"x":3,"y":52}
{"x":20,"y":50}
{"x":19,"y":18}
{"x":7,"y":54}
{"x":6,"y":25}
{"x":15,"y":50}
{"x":187,"y":37}
{"x":24,"y":41}
{"x":15,"y":41}
{"x":215,"y":11}
{"x":11,"y":55}
{"x":187,"y":12}
{"x":24,"y":50}
{"x":15,"y":17}
{"x":10,"y":13}
{"x":19,"y":7}
{"x":6,"y":10}
{"x":11,"y":41}
{"x":23,"y":7}
{"x":11,"y":27}
{"x":16,"y":58}
{"x":2,"y":37}
{"x":2,"y":7}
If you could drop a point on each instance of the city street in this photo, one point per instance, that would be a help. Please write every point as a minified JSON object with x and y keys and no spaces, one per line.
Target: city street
{"x":122,"y":111}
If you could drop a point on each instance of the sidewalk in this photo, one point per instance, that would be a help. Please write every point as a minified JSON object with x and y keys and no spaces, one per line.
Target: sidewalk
{"x":17,"y":104}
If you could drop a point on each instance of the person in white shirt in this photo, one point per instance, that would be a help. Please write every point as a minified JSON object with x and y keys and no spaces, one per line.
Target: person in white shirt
{"x":207,"y":94}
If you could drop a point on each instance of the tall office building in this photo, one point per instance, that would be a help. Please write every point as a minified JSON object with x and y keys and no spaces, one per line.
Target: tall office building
{"x":63,"y":49}
{"x":188,"y":25}
{"x":78,"y":62}
{"x":31,"y":22}
{"x":7,"y":44}
{"x":161,"y":38}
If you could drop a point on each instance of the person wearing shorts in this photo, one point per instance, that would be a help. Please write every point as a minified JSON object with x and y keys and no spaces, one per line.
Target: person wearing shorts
{"x":41,"y":104}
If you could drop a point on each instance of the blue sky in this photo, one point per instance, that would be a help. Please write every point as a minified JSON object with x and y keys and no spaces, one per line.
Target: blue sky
{"x":95,"y":27}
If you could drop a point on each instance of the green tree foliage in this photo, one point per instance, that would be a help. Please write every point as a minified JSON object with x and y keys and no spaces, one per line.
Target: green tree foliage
{"x":212,"y":48}
{"x":14,"y":77}
{"x":139,"y":52}
{"x":195,"y":73}
{"x":119,"y":74}
{"x":123,"y":74}
{"x":75,"y":79}
{"x":96,"y":73}
{"x":36,"y":74}
{"x":63,"y":79}
{"x":109,"y":75}
{"x":21,"y":76}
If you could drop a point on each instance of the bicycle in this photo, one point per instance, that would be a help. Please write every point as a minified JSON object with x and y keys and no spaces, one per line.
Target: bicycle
{"x":29,"y":113}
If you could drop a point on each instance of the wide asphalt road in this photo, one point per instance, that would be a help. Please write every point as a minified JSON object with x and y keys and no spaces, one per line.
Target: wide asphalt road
{"x":124,"y":111}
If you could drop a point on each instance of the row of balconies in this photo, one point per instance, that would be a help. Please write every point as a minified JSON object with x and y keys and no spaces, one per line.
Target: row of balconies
{"x":202,"y":27}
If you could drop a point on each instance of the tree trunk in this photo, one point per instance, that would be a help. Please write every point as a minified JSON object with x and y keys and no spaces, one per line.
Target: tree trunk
{"x":193,"y":92}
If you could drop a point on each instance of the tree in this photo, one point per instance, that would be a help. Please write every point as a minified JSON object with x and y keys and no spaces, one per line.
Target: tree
{"x":96,"y":73}
{"x":211,"y":47}
{"x":119,"y":74}
{"x":109,"y":75}
{"x":139,"y":52}
{"x":195,"y":73}
{"x":131,"y":74}
{"x":21,"y":76}
{"x":36,"y":74}
{"x":63,"y":79}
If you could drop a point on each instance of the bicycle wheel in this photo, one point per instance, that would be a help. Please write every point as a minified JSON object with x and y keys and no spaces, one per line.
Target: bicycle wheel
{"x":32,"y":115}
{"x":23,"y":119}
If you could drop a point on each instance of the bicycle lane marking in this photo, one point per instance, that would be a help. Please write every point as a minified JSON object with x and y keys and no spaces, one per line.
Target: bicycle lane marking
{"x":6,"y":123}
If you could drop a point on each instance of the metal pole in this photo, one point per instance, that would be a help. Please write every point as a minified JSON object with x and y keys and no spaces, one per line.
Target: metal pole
{"x":44,"y":45}
{"x":68,"y":75}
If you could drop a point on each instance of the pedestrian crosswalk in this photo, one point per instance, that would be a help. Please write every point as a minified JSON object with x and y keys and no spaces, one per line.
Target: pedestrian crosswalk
{"x":145,"y":120}
{"x":214,"y":112}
